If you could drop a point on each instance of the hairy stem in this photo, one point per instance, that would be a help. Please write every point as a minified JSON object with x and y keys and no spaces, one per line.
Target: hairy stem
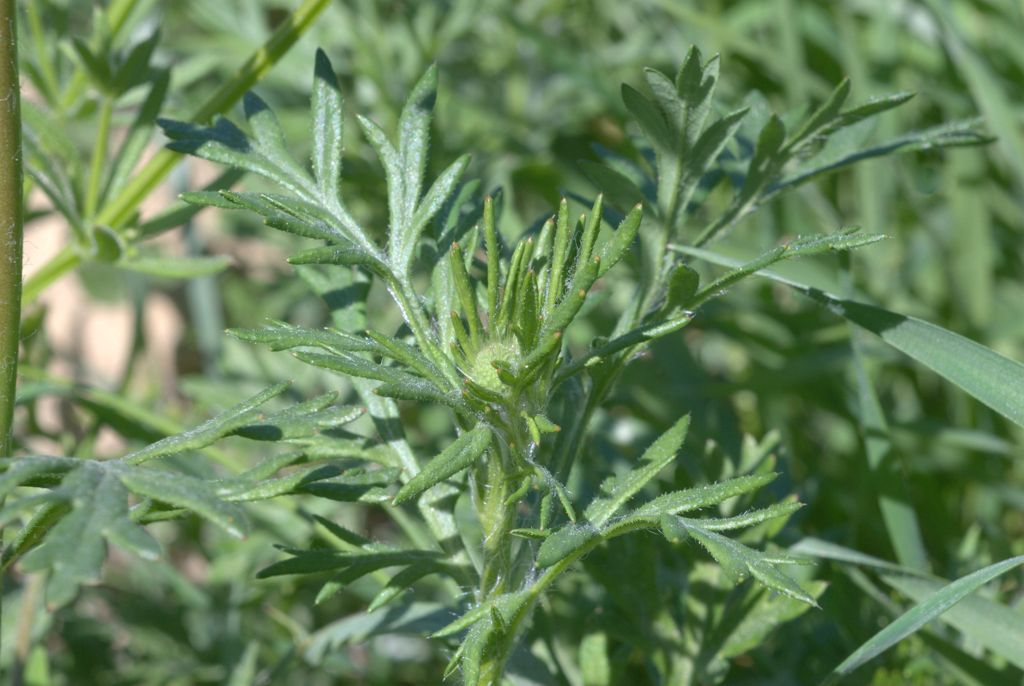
{"x":493,"y":666}
{"x":497,"y":518}
{"x":11,"y":224}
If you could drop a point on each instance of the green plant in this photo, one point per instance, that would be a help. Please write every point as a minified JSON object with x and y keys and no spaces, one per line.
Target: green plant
{"x":491,"y":522}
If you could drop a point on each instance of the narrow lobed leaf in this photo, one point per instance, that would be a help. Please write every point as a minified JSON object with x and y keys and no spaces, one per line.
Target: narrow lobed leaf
{"x":328,"y":128}
{"x":186,"y":492}
{"x":617,"y":491}
{"x":567,"y":542}
{"x":701,"y":496}
{"x":207,"y":432}
{"x":461,"y":453}
{"x":347,"y":257}
{"x":621,"y":241}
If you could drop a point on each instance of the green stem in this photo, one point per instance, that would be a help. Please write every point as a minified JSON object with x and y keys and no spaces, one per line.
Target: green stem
{"x":119,"y":211}
{"x":497,"y":518}
{"x":498,"y":654}
{"x":99,"y":156}
{"x":11,"y":218}
{"x":59,"y":265}
{"x":11,"y":225}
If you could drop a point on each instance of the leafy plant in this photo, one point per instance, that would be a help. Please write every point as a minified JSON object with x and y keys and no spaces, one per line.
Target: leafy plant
{"x":492,"y":351}
{"x":515,"y":507}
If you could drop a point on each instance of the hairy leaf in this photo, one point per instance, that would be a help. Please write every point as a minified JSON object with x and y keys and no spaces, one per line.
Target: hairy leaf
{"x":461,"y":453}
{"x":618,"y":490}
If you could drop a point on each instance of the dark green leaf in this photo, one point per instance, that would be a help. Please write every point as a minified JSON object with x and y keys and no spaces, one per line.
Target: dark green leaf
{"x":620,"y":191}
{"x":314,"y":561}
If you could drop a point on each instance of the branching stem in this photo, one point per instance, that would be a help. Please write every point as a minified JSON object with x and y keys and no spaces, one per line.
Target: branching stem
{"x":118,"y":212}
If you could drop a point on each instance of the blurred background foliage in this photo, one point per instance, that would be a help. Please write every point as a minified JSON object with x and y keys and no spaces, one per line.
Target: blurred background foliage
{"x":531,"y":88}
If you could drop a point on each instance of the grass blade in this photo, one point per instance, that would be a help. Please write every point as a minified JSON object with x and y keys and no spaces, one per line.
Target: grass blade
{"x":919,"y":615}
{"x":996,"y":627}
{"x":995,"y":380}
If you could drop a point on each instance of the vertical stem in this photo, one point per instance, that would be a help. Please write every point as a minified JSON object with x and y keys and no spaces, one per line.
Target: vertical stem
{"x":11,"y":211}
{"x":497,"y":518}
{"x":99,"y":157}
{"x":11,"y":218}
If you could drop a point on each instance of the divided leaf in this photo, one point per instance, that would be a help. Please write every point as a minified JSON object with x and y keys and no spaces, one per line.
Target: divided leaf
{"x":74,"y":548}
{"x":186,"y":492}
{"x":208,"y":432}
{"x":738,"y":561}
{"x":314,"y":207}
{"x":618,"y":490}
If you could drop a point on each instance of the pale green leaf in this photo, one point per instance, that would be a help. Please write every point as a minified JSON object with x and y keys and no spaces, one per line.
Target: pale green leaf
{"x":700,"y":497}
{"x":567,"y":542}
{"x":328,"y":128}
{"x":738,"y":561}
{"x":207,"y":432}
{"x":185,"y":492}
